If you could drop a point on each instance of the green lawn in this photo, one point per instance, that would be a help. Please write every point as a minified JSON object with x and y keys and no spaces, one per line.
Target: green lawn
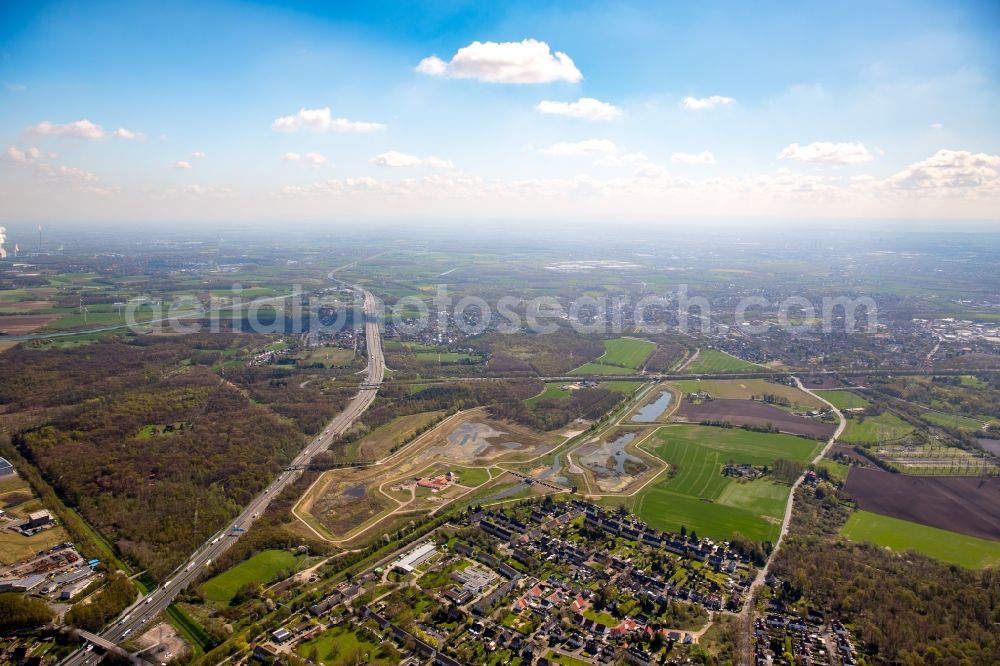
{"x":554,"y":390}
{"x":566,"y":660}
{"x":696,"y":495}
{"x":712,"y":360}
{"x":341,"y":645}
{"x":471,"y":476}
{"x":595,"y":368}
{"x":622,"y":356}
{"x":261,"y":568}
{"x":626,"y":352}
{"x":885,"y":427}
{"x":838,"y":471}
{"x":902,"y":535}
{"x":843,"y":399}
{"x":952,"y":420}
{"x":622,"y":386}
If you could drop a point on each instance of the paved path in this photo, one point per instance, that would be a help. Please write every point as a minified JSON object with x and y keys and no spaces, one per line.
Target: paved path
{"x":747,"y":612}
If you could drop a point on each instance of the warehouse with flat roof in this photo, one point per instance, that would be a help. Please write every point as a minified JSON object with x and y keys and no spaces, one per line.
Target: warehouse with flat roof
{"x":407,"y":563}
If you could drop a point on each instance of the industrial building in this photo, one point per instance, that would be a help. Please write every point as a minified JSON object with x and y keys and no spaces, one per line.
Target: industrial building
{"x":407,"y":563}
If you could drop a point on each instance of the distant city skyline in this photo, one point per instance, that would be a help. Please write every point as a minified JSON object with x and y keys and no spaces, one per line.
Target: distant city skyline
{"x":627,"y":111}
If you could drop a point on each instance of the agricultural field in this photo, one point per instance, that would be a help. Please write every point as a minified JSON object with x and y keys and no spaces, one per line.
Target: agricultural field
{"x":886,"y":427}
{"x":327,"y":356}
{"x":626,"y":352}
{"x":711,"y":361}
{"x":695,"y":494}
{"x":260,"y":569}
{"x":902,"y":535}
{"x":955,"y":421}
{"x":959,"y":504}
{"x":622,"y":356}
{"x":747,"y":389}
{"x":933,"y":459}
{"x":594,"y":368}
{"x":845,"y":399}
{"x":752,"y":413}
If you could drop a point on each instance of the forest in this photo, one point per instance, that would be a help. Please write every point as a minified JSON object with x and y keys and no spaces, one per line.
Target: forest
{"x":155,"y":451}
{"x":906,"y":609}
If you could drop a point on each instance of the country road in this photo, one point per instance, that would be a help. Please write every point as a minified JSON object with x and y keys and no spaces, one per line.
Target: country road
{"x":134,"y":618}
{"x":747,"y":612}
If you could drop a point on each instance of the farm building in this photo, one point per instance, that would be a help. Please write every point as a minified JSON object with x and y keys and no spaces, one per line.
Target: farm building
{"x":5,"y":467}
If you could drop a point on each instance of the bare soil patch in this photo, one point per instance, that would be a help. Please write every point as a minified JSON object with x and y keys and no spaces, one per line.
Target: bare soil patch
{"x":21,"y":324}
{"x":346,"y":505}
{"x":969,"y":505}
{"x":822,"y":382}
{"x":163,"y":644}
{"x":752,"y":413}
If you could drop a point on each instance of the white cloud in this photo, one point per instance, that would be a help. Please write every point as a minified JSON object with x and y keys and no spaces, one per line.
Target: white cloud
{"x":23,"y":156}
{"x":704,"y":157}
{"x":396,"y":159}
{"x":75,"y":173}
{"x":208,"y":191}
{"x":827,"y":152}
{"x":198,"y":155}
{"x":702,"y":103}
{"x":936,"y":126}
{"x":586,"y":108}
{"x":310,"y":159}
{"x":527,"y":61}
{"x":321,"y":120}
{"x":582,"y":148}
{"x":181,"y":164}
{"x":82,"y":129}
{"x":14,"y":87}
{"x":949,"y":170}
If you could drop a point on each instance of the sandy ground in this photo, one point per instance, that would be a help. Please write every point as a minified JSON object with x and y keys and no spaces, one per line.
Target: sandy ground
{"x":162,"y":643}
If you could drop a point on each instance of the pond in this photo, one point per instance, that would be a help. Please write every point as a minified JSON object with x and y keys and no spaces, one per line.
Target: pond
{"x":652,"y":411}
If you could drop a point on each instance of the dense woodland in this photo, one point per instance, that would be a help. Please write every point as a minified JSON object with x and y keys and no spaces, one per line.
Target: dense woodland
{"x":153,"y":449}
{"x":907,"y":609}
{"x":104,"y":606}
{"x":544,"y":354}
{"x":18,"y":611}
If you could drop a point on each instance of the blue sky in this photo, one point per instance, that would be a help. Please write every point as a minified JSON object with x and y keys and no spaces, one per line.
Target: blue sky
{"x":655,"y":110}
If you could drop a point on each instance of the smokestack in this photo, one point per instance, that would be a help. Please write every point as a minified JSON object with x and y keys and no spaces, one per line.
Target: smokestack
{"x":3,"y":239}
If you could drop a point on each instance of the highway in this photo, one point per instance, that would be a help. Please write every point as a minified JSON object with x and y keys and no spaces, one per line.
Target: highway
{"x":133,"y":619}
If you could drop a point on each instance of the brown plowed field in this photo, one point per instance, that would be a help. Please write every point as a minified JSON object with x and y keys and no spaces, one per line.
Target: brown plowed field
{"x":750,"y":412}
{"x":970,"y":505}
{"x":822,"y":382}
